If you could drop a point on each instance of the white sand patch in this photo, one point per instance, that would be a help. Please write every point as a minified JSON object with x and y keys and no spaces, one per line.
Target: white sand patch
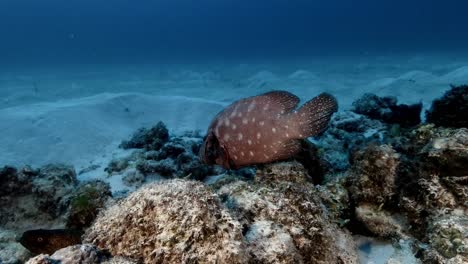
{"x":80,"y":131}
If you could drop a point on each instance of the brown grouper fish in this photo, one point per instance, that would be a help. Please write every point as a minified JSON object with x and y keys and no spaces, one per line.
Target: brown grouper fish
{"x":264,"y":128}
{"x":47,"y":241}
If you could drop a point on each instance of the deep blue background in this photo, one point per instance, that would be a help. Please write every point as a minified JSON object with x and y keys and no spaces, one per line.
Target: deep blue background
{"x":147,"y":30}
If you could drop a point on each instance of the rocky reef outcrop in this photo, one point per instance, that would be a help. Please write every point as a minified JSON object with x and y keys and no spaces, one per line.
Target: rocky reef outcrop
{"x":170,"y":222}
{"x":450,"y":110}
{"x":387,"y":110}
{"x":283,"y":218}
{"x":277,"y":218}
{"x":156,"y":154}
{"x":47,"y":197}
{"x":85,"y":253}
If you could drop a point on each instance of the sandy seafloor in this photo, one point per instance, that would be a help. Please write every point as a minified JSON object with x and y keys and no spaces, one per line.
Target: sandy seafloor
{"x":78,"y":114}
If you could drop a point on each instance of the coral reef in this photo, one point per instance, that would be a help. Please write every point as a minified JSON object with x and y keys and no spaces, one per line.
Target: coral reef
{"x":86,"y":202}
{"x":379,"y":222}
{"x":170,"y":222}
{"x":35,"y":197}
{"x":149,"y":139}
{"x":86,"y":253}
{"x":347,"y":132}
{"x":284,"y":221}
{"x":277,"y":218}
{"x":448,"y":234}
{"x":48,"y":197}
{"x":174,"y":157}
{"x":373,"y":174}
{"x":449,"y":110}
{"x":387,"y":110}
{"x":415,"y":191}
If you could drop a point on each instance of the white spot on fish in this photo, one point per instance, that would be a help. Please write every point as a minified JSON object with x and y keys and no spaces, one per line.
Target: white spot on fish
{"x":259,"y":135}
{"x":282,"y":112}
{"x":287,"y":135}
{"x":234,"y":126}
{"x":261,"y":123}
{"x":226,"y":122}
{"x":266,"y":107}
{"x":242,"y":153}
{"x":251,"y":107}
{"x":245,"y":121}
{"x":253,"y":119}
{"x":239,"y":114}
{"x":240,"y":136}
{"x":249,"y":141}
{"x":226,"y":137}
{"x":235,"y":157}
{"x":251,"y":153}
{"x":273,"y":129}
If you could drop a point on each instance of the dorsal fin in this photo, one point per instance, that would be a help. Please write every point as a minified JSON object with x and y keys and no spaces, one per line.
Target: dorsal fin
{"x":286,"y":100}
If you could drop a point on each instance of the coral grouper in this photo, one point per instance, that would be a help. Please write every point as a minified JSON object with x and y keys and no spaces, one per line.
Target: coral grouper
{"x":264,"y":128}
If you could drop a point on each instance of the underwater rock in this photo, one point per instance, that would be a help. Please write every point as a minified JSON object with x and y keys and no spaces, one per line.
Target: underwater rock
{"x":86,"y":203}
{"x":176,"y":157}
{"x":379,"y":222}
{"x":448,"y":153}
{"x":39,"y":198}
{"x":451,"y":109}
{"x":311,"y":159}
{"x":282,"y":171}
{"x":448,"y":234}
{"x":170,"y":222}
{"x":14,"y":182}
{"x":434,"y":179}
{"x":448,"y":239}
{"x":347,"y":132}
{"x":387,"y":110}
{"x":86,"y":253}
{"x":284,"y":222}
{"x":374,"y":174}
{"x":336,"y":198}
{"x":134,"y":178}
{"x":117,"y":166}
{"x":149,"y":139}
{"x":52,"y":187}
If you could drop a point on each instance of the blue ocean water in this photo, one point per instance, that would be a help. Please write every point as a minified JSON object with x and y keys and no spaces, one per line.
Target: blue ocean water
{"x":79,"y":76}
{"x":88,"y":31}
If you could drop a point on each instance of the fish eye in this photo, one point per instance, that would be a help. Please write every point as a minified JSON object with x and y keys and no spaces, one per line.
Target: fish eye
{"x":40,"y":239}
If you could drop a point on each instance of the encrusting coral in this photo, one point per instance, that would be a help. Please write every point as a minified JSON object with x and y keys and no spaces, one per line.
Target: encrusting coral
{"x":170,"y":222}
{"x":284,"y":220}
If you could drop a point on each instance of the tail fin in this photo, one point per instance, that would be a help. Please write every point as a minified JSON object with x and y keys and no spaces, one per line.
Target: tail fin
{"x":313,"y":117}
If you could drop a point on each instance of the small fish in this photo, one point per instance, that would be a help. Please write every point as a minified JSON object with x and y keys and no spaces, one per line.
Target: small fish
{"x":264,"y":128}
{"x":47,"y":241}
